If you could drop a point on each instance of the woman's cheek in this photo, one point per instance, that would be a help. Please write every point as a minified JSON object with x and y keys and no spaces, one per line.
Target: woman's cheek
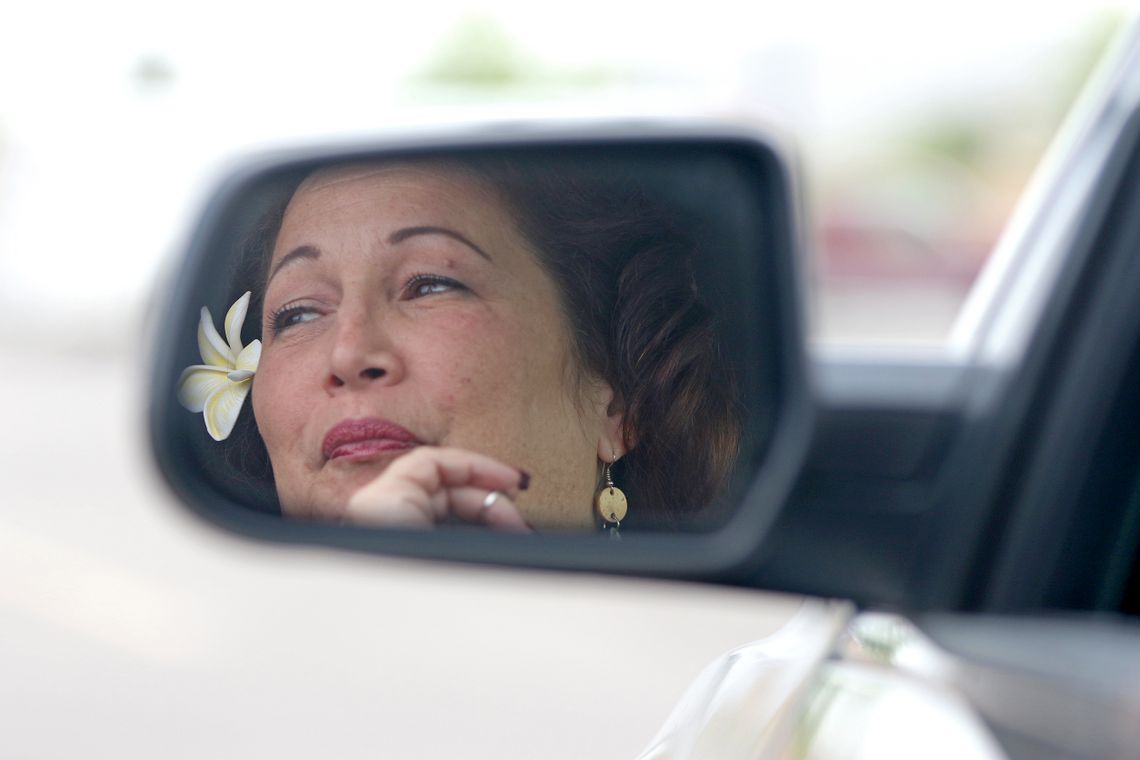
{"x":465,"y":337}
{"x":263,"y":408}
{"x":470,"y":360}
{"x":276,"y":400}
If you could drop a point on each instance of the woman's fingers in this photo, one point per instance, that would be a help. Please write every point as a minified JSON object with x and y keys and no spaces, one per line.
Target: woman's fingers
{"x":438,"y":467}
{"x":429,"y":484}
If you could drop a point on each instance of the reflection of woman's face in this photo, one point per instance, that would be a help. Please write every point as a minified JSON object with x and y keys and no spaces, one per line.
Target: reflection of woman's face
{"x":405,"y":298}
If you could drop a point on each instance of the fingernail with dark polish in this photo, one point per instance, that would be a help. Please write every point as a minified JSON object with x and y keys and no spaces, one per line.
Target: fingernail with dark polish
{"x":524,"y":480}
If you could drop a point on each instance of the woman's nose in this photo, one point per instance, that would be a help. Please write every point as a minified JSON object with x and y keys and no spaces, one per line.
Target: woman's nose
{"x":362,"y":355}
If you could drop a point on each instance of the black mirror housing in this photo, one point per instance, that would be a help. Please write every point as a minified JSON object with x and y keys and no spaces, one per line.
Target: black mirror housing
{"x":732,"y":192}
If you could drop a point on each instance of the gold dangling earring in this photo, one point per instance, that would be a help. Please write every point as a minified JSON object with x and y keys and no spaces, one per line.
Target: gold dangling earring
{"x":611,"y":503}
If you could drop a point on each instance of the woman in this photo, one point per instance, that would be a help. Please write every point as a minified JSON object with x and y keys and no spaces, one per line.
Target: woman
{"x":484,"y":342}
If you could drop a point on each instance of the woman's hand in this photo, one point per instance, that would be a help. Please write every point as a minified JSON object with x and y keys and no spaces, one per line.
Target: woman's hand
{"x":429,"y":485}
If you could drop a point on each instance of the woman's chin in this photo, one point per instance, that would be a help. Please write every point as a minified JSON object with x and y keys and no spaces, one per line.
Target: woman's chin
{"x":336,"y":484}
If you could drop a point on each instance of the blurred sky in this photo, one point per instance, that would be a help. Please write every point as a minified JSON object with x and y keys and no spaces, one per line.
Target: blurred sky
{"x":116,"y":116}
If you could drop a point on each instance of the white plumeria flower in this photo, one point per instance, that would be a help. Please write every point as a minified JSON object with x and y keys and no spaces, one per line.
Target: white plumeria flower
{"x":218,"y":387}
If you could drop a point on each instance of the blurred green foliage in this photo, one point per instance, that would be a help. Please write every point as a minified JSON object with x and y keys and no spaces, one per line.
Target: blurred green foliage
{"x":477,"y":53}
{"x":479,"y":57}
{"x":980,"y":139}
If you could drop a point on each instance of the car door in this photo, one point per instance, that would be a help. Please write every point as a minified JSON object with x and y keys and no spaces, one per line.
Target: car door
{"x":916,"y":480}
{"x":992,"y":495}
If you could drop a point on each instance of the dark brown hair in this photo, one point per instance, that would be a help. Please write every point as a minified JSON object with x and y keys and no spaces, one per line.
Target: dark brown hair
{"x":625,"y":273}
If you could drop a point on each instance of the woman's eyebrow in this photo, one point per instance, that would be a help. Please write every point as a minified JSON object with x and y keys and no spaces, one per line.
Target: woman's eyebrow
{"x":301,"y":252}
{"x":400,"y":236}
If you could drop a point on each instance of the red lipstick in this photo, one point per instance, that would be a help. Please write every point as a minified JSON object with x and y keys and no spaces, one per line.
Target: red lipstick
{"x":361,"y":439}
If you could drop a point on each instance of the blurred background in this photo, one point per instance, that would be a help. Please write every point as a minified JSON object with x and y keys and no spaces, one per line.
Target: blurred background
{"x":124,"y":619}
{"x":915,"y":128}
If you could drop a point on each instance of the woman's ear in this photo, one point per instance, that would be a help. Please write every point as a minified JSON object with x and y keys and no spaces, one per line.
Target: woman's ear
{"x":612,"y":442}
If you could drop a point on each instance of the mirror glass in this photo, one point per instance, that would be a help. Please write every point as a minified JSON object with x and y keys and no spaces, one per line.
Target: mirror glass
{"x":548,"y":338}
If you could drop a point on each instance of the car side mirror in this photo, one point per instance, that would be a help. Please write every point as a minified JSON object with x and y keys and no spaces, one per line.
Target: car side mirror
{"x":545,"y":299}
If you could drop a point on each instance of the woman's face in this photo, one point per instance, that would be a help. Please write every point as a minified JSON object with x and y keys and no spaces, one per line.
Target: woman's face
{"x":403,"y":298}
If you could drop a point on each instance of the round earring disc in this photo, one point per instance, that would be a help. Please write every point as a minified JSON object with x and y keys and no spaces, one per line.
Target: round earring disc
{"x":611,"y":504}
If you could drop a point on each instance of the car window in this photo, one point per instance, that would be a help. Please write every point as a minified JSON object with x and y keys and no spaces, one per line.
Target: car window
{"x":915,"y":171}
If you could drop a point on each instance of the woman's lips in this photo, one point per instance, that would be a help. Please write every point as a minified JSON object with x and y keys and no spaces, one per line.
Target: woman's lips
{"x":364,"y":438}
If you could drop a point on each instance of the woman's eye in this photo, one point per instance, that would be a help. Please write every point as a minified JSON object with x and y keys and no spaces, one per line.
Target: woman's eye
{"x":288,"y":316}
{"x":429,"y":285}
